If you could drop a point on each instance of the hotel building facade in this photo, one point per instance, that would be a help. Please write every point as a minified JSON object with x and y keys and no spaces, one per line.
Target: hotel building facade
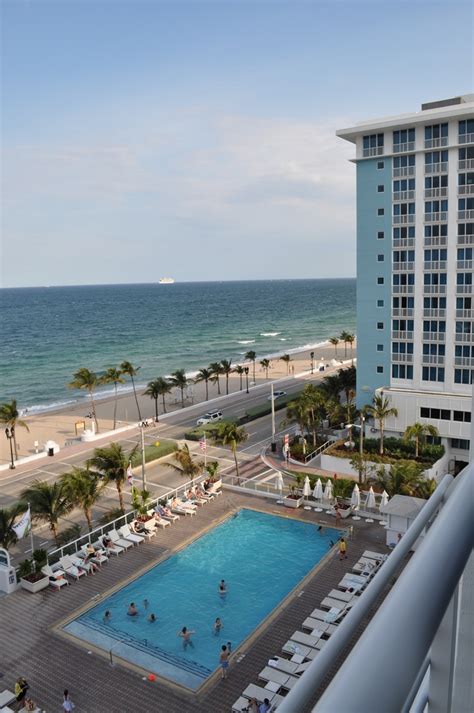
{"x":415,"y":245}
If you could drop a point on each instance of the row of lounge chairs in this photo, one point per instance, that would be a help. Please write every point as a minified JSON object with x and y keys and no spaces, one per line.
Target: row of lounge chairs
{"x":116,"y":542}
{"x":282,"y":672}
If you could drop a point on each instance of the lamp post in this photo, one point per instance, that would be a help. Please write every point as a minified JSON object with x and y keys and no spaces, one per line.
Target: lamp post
{"x":312,"y":362}
{"x":142,"y":438}
{"x":361,"y":441}
{"x":272,"y":396}
{"x":10,"y":434}
{"x":246,"y":370}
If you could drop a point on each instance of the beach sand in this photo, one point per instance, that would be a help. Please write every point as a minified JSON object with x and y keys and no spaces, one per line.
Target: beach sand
{"x":60,"y":426}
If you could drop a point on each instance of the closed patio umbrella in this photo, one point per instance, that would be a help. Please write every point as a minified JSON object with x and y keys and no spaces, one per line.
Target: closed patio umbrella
{"x":327,"y":495}
{"x":355,"y":500}
{"x":383,"y":501}
{"x":318,"y":493}
{"x":306,"y":488}
{"x":370,"y":502}
{"x":279,"y":484}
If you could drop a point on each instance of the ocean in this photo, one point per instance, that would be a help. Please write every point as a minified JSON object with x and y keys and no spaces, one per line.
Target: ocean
{"x":47,"y":333}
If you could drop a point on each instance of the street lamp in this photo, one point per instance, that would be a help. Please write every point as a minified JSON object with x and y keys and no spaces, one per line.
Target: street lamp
{"x":246,"y":370}
{"x":312,"y":362}
{"x":10,"y":434}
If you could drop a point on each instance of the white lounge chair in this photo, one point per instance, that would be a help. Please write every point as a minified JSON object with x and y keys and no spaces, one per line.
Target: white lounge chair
{"x":285,"y":680}
{"x":283,"y":664}
{"x":145,"y":529}
{"x":158,"y":521}
{"x":253,"y":691}
{"x":81,"y":563}
{"x":99,"y":557}
{"x":127,"y":534}
{"x":374,"y":556}
{"x":111,"y":549}
{"x":160,"y":511}
{"x":57,"y":578}
{"x":178,"y":508}
{"x":120,"y":541}
{"x":70,"y":568}
{"x":188,"y":505}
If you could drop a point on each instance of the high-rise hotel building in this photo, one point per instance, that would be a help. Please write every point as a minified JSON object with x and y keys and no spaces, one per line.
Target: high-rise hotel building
{"x":415,"y":245}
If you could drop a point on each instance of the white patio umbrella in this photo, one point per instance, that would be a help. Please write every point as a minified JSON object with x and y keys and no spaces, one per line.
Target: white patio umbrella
{"x":279,"y":484}
{"x":370,"y":502}
{"x":355,"y":500}
{"x":383,"y":501}
{"x":306,"y":488}
{"x":327,"y":495}
{"x":318,"y":493}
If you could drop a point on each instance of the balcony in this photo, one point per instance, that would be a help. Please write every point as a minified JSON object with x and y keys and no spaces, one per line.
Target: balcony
{"x":404,"y":196}
{"x":465,"y":239}
{"x":403,"y":171}
{"x":432,"y":359}
{"x":436,"y":217}
{"x":466,"y":190}
{"x":464,"y":361}
{"x":464,"y":289}
{"x":435,"y":265}
{"x":466,"y":139}
{"x":434,"y":313}
{"x":403,"y":243}
{"x":431,"y":168}
{"x":464,"y":264}
{"x":403,"y":219}
{"x":434,"y":289}
{"x":466,"y":164}
{"x":403,"y":312}
{"x":403,"y":266}
{"x":407,"y":147}
{"x":434,"y":336}
{"x":403,"y":289}
{"x":402,"y":335}
{"x":438,"y":241}
{"x":404,"y":358}
{"x":465,"y":214}
{"x":466,"y":338}
{"x":436,"y":192}
{"x":373,"y":151}
{"x":436,"y":143}
{"x":465,"y":314}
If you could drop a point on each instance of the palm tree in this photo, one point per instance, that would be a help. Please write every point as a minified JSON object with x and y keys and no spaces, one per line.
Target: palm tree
{"x":111,"y":462}
{"x":350,"y":340}
{"x":331,"y":386}
{"x":113,"y":376}
{"x":84,"y":489}
{"x":216,"y":369}
{"x":239,"y":369}
{"x":10,"y":416}
{"x":297,"y":412}
{"x":286,"y":358}
{"x":48,"y":502}
{"x":179,"y":380}
{"x":381,"y":410}
{"x":8,"y":536}
{"x":86,"y":380}
{"x":232,"y":435}
{"x":156,"y":388}
{"x":131,"y":371}
{"x":403,"y":478}
{"x":347,"y":383}
{"x":417,"y":432}
{"x":265,"y":364}
{"x":185,"y":464}
{"x":251,"y":356}
{"x":343,"y":338}
{"x":426,"y":488}
{"x":206,"y":376}
{"x":226,"y":365}
{"x":334,"y":341}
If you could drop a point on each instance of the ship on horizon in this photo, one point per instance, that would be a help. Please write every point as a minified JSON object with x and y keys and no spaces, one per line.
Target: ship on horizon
{"x":166,"y":281}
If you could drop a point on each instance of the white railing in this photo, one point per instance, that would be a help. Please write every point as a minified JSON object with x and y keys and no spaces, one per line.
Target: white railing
{"x":403,"y":312}
{"x":434,"y":313}
{"x":464,"y":361}
{"x":402,"y":335}
{"x":466,"y":164}
{"x":465,"y":214}
{"x":441,"y":167}
{"x":373,"y":151}
{"x":435,"y":265}
{"x":405,"y":358}
{"x":436,"y":241}
{"x":466,"y":239}
{"x":403,"y":171}
{"x":436,"y":192}
{"x":463,"y":289}
{"x":436,"y":143}
{"x":434,"y":289}
{"x":432,"y":359}
{"x":404,"y":148}
{"x":404,"y":195}
{"x":403,"y":266}
{"x":403,"y":243}
{"x":466,"y":139}
{"x":403,"y":289}
{"x":465,"y":313}
{"x":464,"y":264}
{"x":461,"y":337}
{"x":440,"y":217}
{"x":434,"y":336}
{"x":466,"y":190}
{"x":403,"y":219}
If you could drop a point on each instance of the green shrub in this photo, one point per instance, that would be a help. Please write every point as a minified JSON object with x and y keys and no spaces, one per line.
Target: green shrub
{"x":25,"y":568}
{"x":153,"y":452}
{"x":210,"y":429}
{"x":40,"y":557}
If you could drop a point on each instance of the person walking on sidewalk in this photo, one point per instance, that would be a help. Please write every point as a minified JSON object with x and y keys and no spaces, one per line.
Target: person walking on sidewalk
{"x":68,"y":705}
{"x":342,"y":549}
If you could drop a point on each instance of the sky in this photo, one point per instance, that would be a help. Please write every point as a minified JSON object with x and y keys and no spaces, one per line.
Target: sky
{"x":143,"y":139}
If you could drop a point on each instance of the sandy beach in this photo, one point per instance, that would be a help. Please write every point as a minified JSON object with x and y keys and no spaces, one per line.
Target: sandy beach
{"x":63,"y":425}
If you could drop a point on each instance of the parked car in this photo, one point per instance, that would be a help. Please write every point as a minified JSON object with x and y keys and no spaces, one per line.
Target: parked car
{"x":210,"y":417}
{"x":277,"y":395}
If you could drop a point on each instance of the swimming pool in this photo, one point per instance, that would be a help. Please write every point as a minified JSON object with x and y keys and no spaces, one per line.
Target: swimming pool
{"x":261,"y":557}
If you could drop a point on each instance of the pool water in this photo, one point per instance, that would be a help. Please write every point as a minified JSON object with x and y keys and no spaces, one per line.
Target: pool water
{"x":261,"y":558}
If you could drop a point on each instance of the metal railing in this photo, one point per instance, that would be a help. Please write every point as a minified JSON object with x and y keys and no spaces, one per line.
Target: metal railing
{"x":318,"y":451}
{"x":435,"y":265}
{"x":466,"y":139}
{"x":432,"y":359}
{"x":434,"y":336}
{"x":373,"y":151}
{"x":324,"y":663}
{"x":465,"y":313}
{"x":436,"y":241}
{"x":441,"y":167}
{"x":403,"y":312}
{"x":403,"y":219}
{"x":436,"y":192}
{"x":403,"y":266}
{"x":464,"y":264}
{"x":436,"y":143}
{"x":466,"y":164}
{"x":404,"y":148}
{"x":464,"y":289}
{"x":402,"y":335}
{"x":464,"y":361}
{"x":465,"y":214}
{"x":434,"y":313}
{"x":403,"y":171}
{"x":466,"y":239}
{"x":440,"y":217}
{"x":464,"y":337}
{"x":403,"y":195}
{"x":403,"y":289}
{"x":434,"y":289}
{"x":466,"y":190}
{"x":403,"y":243}
{"x":403,"y":358}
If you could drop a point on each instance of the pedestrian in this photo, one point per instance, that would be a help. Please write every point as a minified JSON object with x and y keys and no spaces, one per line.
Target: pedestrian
{"x":265,"y":706}
{"x":21,"y":687}
{"x":342,"y":549}
{"x":68,"y":705}
{"x":224,"y":660}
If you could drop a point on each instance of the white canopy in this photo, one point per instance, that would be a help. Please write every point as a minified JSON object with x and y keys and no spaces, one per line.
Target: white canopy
{"x":306,"y":488}
{"x":355,"y":499}
{"x":370,"y":500}
{"x":318,"y":490}
{"x":327,"y":495}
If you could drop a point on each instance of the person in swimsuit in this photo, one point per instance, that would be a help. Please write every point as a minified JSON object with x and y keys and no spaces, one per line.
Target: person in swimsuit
{"x":224,"y":660}
{"x":132,"y":610}
{"x":218,"y":626}
{"x":186,"y":636}
{"x":222,"y":588}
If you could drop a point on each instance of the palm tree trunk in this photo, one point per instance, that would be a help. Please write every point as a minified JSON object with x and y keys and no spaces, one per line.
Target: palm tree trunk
{"x":94,"y":413}
{"x":156,"y":409}
{"x":234,"y":450}
{"x":417,"y":446}
{"x":218,"y":386}
{"x":381,"y":438}
{"x":335,"y":351}
{"x":207,"y":390}
{"x":254,"y":371}
{"x":240,"y":382}
{"x":182,"y":397}
{"x":54,"y":530}
{"x":87,"y":513}
{"x":164,"y":405}
{"x":227,"y":383}
{"x":119,"y":491}
{"x":136,"y":398}
{"x":15,"y":447}
{"x":115,"y":407}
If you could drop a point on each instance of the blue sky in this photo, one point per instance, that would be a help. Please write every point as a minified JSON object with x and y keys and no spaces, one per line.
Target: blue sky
{"x":196,"y":139}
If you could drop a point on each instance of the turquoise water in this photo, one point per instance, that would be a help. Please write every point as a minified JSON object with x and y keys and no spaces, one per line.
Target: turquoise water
{"x":48,"y":333}
{"x":261,"y":557}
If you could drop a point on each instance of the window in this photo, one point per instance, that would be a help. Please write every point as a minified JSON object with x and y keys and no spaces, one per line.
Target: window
{"x":380,"y":211}
{"x":403,"y":137}
{"x":466,"y":229}
{"x":461,"y":443}
{"x":380,"y":188}
{"x":466,"y":127}
{"x":402,"y":371}
{"x":436,"y":157}
{"x":462,"y":416}
{"x":380,"y":257}
{"x":404,"y":185}
{"x":380,"y":165}
{"x":436,"y":135}
{"x":436,"y":413}
{"x":436,"y":182}
{"x":380,"y":303}
{"x":380,"y":280}
{"x":404,"y":162}
{"x":432,"y":373}
{"x":380,"y":370}
{"x":380,"y":235}
{"x":463,"y":376}
{"x":372,"y":145}
{"x":380,"y":347}
{"x":379,"y":325}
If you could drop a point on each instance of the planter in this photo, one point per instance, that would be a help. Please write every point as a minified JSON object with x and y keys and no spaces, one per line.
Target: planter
{"x":290,"y":502}
{"x":214,"y":486}
{"x":35,"y":586}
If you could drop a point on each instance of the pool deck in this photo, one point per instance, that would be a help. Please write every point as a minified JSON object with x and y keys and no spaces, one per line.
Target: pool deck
{"x":30,"y":647}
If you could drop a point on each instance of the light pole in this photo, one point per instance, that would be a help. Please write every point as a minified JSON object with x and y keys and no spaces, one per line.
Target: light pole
{"x":272,"y":396}
{"x":10,"y":434}
{"x":361,"y":441}
{"x":142,"y":435}
{"x":312,"y":362}
{"x":246,"y":370}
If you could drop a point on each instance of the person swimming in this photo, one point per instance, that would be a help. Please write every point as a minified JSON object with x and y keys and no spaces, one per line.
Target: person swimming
{"x":186,"y":636}
{"x":222,"y":588}
{"x":152,"y":618}
{"x":107,"y":616}
{"x":218,"y":626}
{"x":132,"y":610}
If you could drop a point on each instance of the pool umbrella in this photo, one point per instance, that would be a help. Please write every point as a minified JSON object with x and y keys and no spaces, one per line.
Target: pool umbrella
{"x":383,"y":501}
{"x":327,"y":495}
{"x":279,"y":484}
{"x":306,"y":488}
{"x":318,"y":490}
{"x":370,"y":500}
{"x":355,"y":497}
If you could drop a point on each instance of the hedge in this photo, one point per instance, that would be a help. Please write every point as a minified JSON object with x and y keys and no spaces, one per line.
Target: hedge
{"x":153,"y":452}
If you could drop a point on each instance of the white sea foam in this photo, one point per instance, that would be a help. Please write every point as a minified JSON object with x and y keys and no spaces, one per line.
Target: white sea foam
{"x":246,"y":341}
{"x":269,"y":334}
